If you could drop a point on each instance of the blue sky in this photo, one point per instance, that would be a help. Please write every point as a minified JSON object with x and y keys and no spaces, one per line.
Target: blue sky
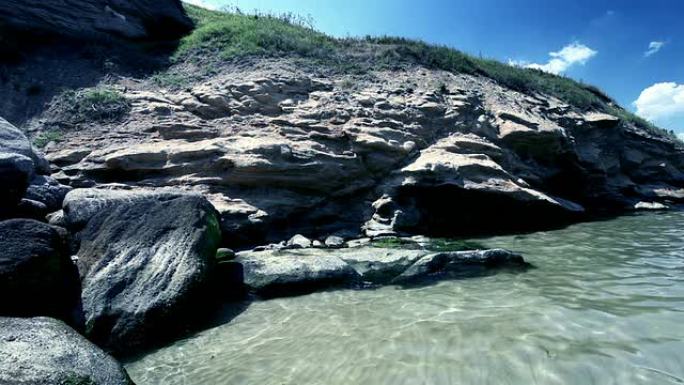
{"x":632,"y":49}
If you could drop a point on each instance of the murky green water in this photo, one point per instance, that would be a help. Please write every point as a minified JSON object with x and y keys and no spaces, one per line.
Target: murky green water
{"x":605,"y":305}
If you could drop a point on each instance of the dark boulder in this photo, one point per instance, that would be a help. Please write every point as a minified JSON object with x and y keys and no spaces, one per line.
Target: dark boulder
{"x":145,"y":260}
{"x":88,"y":19}
{"x":36,"y":275}
{"x":48,"y":191}
{"x":20,"y":169}
{"x":45,"y":351}
{"x":15,"y":172}
{"x":13,"y":141}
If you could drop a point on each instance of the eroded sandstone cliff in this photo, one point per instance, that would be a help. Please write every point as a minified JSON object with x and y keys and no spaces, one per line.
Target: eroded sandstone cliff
{"x":279,"y":149}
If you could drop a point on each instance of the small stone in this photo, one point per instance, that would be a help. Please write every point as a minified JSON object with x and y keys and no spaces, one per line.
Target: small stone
{"x":650,"y":206}
{"x":409,"y":145}
{"x":299,"y":241}
{"x":317,"y":243}
{"x":334,"y":241}
{"x":225,"y":254}
{"x":358,"y":242}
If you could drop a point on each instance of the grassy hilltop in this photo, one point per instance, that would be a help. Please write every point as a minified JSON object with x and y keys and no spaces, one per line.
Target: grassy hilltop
{"x":224,"y":36}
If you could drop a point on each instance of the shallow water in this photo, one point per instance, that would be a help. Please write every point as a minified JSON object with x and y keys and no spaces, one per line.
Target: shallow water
{"x":605,"y":305}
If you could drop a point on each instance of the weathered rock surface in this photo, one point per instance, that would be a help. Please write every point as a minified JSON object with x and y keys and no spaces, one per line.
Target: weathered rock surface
{"x":287,"y":271}
{"x":280,"y":272}
{"x":13,"y":141}
{"x":145,"y":261}
{"x":281,"y":149}
{"x":45,"y":351}
{"x":132,"y":19}
{"x":36,"y":275}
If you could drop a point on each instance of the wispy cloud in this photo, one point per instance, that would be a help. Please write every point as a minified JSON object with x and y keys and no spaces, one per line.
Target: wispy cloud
{"x":653,"y":47}
{"x":661,"y":101}
{"x":200,"y":3}
{"x":560,"y":61}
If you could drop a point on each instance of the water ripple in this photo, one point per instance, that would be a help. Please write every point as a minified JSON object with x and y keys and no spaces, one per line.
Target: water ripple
{"x":604,"y":306}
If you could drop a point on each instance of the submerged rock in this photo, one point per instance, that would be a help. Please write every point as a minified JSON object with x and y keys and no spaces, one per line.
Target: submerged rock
{"x":379,"y":265}
{"x":459,"y":262}
{"x":36,"y":275}
{"x":45,"y":351}
{"x":145,"y":261}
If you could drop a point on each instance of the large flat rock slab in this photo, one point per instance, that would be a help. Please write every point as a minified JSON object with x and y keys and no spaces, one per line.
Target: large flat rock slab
{"x":291,"y":271}
{"x":280,"y":273}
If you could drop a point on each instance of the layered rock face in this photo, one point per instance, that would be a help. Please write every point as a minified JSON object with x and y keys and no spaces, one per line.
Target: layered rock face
{"x":145,"y":262}
{"x":132,"y":19}
{"x":280,"y":150}
{"x":44,"y":351}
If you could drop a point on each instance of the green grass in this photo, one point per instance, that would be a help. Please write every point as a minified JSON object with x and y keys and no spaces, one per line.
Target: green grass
{"x":92,"y":104}
{"x":170,"y":80}
{"x":234,"y":35}
{"x":520,"y":79}
{"x":46,"y":137}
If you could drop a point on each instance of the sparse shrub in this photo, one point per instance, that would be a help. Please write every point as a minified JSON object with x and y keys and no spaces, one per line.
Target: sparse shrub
{"x":91,"y":104}
{"x":46,"y":137}
{"x":170,"y":80}
{"x":346,"y":83}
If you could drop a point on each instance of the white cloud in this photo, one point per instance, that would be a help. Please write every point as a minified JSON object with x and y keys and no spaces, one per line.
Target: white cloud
{"x":561,"y":61}
{"x":653,"y":47}
{"x":201,"y":3}
{"x":571,"y":54}
{"x":661,"y":101}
